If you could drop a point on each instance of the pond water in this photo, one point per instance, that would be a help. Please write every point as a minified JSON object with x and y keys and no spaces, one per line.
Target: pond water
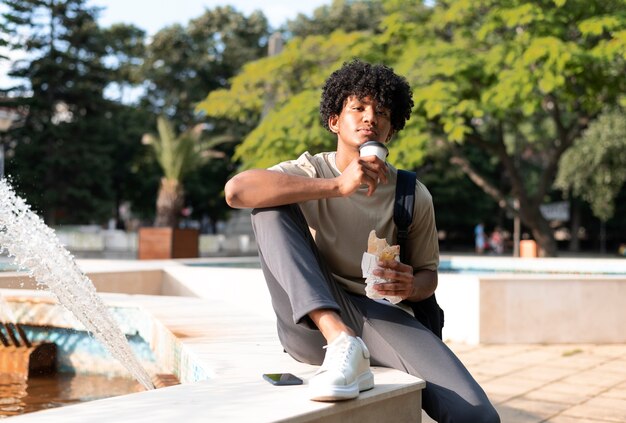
{"x":19,"y":396}
{"x":7,"y":267}
{"x":85,"y":372}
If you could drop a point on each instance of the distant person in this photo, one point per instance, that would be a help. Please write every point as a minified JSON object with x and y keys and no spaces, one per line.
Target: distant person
{"x":496,"y":241}
{"x":479,"y":238}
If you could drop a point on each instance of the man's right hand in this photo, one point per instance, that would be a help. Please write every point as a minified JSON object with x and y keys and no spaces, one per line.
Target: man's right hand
{"x":369,"y":170}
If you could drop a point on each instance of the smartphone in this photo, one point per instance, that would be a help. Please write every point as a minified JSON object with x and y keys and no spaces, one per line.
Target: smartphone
{"x":281,"y":379}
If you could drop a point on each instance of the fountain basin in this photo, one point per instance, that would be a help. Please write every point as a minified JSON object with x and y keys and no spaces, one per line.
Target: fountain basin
{"x":159,"y":350}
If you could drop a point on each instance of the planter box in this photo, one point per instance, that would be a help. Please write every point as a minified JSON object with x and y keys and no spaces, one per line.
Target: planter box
{"x":167,"y":243}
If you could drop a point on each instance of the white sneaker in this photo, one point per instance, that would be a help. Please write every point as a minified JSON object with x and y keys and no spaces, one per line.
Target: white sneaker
{"x":345,"y":371}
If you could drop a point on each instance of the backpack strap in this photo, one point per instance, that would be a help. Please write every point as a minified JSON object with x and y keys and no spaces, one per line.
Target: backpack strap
{"x":403,"y":207}
{"x":426,"y":311}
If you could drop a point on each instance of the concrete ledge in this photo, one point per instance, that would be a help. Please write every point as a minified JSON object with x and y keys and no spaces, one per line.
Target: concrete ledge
{"x":224,"y":401}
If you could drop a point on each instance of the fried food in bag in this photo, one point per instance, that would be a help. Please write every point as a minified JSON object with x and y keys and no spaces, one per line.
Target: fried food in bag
{"x":381,"y":249}
{"x":377,"y":249}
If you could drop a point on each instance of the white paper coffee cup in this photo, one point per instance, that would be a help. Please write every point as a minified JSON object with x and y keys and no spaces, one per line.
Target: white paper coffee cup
{"x":374,"y":148}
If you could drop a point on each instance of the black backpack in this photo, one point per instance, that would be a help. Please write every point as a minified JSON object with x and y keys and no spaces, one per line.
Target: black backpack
{"x":426,"y":311}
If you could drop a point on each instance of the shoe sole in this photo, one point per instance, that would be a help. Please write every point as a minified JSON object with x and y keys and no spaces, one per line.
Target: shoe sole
{"x":339,"y":393}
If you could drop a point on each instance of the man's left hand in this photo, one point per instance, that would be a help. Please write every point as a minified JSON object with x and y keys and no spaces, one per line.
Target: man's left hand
{"x":400,"y":276}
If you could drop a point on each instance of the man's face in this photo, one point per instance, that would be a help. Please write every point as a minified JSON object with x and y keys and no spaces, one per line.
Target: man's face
{"x":361,"y":120}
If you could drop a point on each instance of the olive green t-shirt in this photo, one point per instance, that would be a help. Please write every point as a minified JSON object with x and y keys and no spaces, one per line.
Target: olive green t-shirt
{"x":340,"y":226}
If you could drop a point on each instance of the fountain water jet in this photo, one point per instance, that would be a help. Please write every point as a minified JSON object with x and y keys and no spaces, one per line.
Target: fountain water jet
{"x":35,"y":248}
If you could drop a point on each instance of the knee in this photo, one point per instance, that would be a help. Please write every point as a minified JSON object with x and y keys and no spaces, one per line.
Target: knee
{"x":272,"y":214}
{"x":287,"y":219}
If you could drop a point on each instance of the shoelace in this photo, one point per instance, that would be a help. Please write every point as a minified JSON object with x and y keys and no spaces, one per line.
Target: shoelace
{"x":337,"y":356}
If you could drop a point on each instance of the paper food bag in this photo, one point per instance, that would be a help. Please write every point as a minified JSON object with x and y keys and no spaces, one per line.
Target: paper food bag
{"x":377,"y":249}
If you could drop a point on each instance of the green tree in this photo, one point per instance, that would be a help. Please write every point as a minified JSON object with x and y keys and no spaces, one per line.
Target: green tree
{"x":346,"y":15}
{"x":61,"y":152}
{"x":125,"y":48}
{"x":293,"y":79}
{"x":135,"y":176}
{"x":594,"y":169}
{"x":177,"y":156}
{"x":184,"y":63}
{"x":520,"y":80}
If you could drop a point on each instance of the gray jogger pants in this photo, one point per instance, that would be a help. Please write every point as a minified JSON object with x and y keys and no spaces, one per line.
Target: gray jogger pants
{"x":299,"y":282}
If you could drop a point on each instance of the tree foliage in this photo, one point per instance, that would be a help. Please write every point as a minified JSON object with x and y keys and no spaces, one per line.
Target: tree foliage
{"x":178,"y":155}
{"x":60,"y":156}
{"x":90,"y":93}
{"x":521,"y":80}
{"x":291,"y":82}
{"x":518,"y":79}
{"x":347,"y":15}
{"x":595,"y":167}
{"x":183,"y":63}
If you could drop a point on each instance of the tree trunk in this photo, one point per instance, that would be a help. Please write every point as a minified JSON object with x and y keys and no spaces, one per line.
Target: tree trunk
{"x":169,"y":203}
{"x":541,"y":230}
{"x":529,"y":212}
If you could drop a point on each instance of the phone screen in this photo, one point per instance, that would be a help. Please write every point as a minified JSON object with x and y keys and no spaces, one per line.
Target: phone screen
{"x":281,"y":379}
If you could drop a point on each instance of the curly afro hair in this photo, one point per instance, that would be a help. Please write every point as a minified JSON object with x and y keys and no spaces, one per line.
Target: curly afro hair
{"x":363,"y":79}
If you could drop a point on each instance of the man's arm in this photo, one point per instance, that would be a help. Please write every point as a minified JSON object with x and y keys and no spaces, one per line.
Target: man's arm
{"x":424,"y":284}
{"x":268,"y":188}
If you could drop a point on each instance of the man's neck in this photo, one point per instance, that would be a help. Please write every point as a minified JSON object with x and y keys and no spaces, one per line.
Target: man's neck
{"x":344,"y":156}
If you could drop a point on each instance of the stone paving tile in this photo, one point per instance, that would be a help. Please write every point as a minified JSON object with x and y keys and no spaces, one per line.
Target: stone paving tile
{"x":568,"y":419}
{"x":578,"y":361}
{"x":608,"y":350}
{"x":609,"y":409}
{"x":533,"y":356}
{"x":520,"y":409}
{"x":489,"y":352}
{"x":564,"y":393}
{"x":503,"y":389}
{"x":617,"y":393}
{"x":543,"y":373}
{"x":617,"y":365}
{"x":496,"y":368}
{"x":565,"y":383}
{"x":596,"y":378}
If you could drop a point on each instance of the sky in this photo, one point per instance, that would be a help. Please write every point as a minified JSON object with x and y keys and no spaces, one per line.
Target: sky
{"x":152,"y":15}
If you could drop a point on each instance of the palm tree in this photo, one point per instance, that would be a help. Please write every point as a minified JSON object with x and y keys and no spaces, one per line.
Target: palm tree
{"x":177,"y":155}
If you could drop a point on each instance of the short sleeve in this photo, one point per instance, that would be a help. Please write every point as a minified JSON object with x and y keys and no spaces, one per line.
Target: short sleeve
{"x":302,"y":166}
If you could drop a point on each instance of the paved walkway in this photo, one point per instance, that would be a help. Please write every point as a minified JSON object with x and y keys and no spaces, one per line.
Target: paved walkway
{"x":551,"y":383}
